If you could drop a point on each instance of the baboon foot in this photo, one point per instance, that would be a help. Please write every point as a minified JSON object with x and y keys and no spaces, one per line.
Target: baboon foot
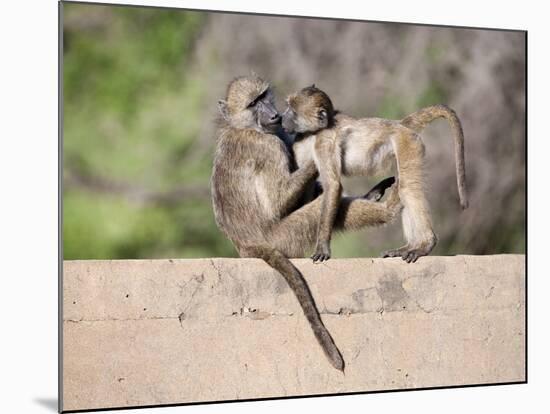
{"x":411,"y":254}
{"x":322,"y":252}
{"x":395,"y":252}
{"x":377,"y":192}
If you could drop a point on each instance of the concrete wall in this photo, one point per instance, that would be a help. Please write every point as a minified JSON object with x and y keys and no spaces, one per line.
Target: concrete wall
{"x":145,"y":332}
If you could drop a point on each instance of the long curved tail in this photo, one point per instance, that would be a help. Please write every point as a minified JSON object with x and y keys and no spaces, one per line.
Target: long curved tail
{"x":296,"y":281}
{"x":417,"y":121}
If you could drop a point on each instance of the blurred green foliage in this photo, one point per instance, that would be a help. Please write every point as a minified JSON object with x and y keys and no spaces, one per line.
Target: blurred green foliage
{"x":125,"y":86}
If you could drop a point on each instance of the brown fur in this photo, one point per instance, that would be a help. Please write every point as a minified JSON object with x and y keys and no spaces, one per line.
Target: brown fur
{"x":342,"y":145}
{"x":255,"y":197}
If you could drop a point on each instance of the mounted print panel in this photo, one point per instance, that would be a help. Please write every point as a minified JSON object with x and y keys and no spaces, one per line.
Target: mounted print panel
{"x":263,"y":206}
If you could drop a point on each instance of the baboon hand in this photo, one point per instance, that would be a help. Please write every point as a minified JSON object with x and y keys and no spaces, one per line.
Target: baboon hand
{"x":322,"y":252}
{"x":377,"y":192}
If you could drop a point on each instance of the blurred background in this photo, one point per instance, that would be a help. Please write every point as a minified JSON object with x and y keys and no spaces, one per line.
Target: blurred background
{"x":140,"y":87}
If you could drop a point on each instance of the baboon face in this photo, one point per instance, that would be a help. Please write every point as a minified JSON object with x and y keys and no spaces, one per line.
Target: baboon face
{"x":250,"y":103}
{"x":307,"y":111}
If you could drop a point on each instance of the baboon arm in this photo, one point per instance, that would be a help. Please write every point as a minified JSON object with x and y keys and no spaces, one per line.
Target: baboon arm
{"x":293,"y":187}
{"x":327,"y":152}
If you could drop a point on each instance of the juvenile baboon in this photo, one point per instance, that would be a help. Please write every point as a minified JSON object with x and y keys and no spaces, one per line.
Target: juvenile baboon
{"x":342,"y":145}
{"x":255,"y":195}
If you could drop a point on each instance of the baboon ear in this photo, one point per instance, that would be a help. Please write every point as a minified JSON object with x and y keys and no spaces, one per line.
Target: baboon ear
{"x":322,"y":115}
{"x":222,"y":106}
{"x":312,"y":86}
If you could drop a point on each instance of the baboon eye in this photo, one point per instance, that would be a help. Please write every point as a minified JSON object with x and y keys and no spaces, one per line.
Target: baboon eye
{"x":258,"y":99}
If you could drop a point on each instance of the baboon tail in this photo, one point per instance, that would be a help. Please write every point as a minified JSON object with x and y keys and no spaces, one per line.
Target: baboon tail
{"x":296,"y":281}
{"x":417,"y":121}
